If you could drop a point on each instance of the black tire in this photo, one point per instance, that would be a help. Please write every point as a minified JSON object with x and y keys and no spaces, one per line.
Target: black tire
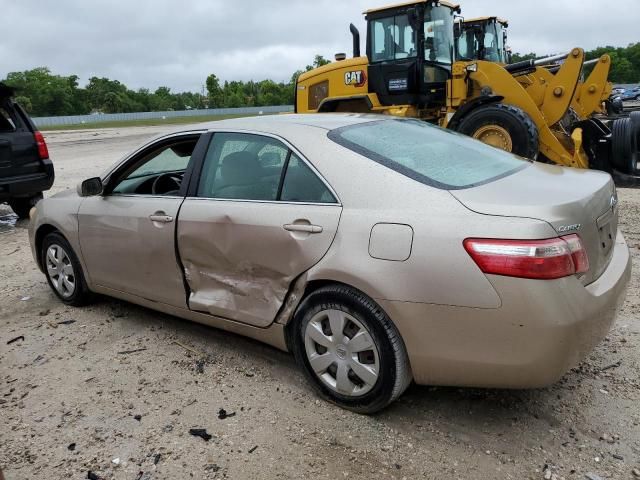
{"x":80,"y":294}
{"x":22,"y":206}
{"x":634,"y":143}
{"x":619,"y":143}
{"x":394,"y":373}
{"x":523,"y":132}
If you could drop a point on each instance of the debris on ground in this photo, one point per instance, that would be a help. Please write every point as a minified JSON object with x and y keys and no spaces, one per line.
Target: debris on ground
{"x":593,"y":476}
{"x":126,"y":352}
{"x":71,"y":447}
{"x":13,"y":340}
{"x":253,"y":449}
{"x":137,"y":417}
{"x":222,"y":414}
{"x":613,"y":365}
{"x":66,"y":322}
{"x":93,"y":476}
{"x":200,"y":432}
{"x":156,"y":458}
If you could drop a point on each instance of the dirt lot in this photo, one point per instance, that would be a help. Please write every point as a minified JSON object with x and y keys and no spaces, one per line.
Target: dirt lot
{"x":71,"y":402}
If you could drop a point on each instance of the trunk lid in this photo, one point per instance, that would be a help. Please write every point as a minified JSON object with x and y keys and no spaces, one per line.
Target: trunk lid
{"x":570,"y":200}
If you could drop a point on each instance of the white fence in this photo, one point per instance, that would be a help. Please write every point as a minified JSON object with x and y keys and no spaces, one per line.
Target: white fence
{"x":116,"y":117}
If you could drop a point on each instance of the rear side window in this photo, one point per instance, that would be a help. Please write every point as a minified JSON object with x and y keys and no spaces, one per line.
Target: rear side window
{"x":301,"y":184}
{"x":243,"y":166}
{"x":7,"y":123}
{"x":430,"y":155}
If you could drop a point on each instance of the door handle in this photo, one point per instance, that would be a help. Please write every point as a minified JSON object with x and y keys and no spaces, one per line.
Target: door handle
{"x":302,"y":227}
{"x":161,"y":218}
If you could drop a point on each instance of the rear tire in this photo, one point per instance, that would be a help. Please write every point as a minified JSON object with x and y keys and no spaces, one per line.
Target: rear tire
{"x":363,"y":375}
{"x":22,"y":206}
{"x":63,"y":271}
{"x":523,"y":136}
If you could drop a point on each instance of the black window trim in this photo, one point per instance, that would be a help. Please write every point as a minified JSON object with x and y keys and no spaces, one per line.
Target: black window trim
{"x":194,"y":180}
{"x":335,"y":135}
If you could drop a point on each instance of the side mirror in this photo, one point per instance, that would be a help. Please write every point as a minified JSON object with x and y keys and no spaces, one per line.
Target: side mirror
{"x":90,"y":187}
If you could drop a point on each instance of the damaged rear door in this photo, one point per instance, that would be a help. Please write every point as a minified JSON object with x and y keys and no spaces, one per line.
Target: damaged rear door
{"x":257,"y":217}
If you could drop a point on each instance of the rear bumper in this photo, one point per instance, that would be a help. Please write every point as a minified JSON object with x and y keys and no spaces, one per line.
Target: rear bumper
{"x":542,"y":329}
{"x":29,"y":184}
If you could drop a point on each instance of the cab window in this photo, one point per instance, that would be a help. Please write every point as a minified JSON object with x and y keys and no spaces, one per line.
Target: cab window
{"x":393,"y":39}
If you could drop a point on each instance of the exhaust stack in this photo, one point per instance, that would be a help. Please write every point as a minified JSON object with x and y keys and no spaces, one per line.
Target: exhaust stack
{"x":356,"y":40}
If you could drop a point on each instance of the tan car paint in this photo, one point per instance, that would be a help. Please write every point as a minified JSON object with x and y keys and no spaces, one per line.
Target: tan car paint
{"x":460,"y":326}
{"x":542,"y":329}
{"x":240,"y":260}
{"x":124,"y":249}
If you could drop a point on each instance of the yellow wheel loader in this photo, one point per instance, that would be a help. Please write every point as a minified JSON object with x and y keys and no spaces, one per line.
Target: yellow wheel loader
{"x":485,"y":38}
{"x":410,"y":71}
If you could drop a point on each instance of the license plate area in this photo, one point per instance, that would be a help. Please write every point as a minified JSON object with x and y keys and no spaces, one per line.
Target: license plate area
{"x":605,"y":232}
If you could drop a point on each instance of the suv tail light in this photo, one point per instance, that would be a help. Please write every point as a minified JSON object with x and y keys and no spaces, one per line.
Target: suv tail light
{"x":43,"y":151}
{"x":537,"y":259}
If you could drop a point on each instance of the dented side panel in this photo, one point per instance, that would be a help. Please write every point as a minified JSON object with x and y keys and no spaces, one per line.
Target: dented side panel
{"x":238,"y":258}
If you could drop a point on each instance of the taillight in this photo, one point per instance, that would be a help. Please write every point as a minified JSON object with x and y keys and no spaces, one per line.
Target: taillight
{"x":43,"y":151}
{"x":537,"y":259}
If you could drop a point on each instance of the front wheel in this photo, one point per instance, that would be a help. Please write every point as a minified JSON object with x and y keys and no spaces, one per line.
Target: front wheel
{"x":503,"y":126}
{"x":63,"y":270}
{"x":349,"y":349}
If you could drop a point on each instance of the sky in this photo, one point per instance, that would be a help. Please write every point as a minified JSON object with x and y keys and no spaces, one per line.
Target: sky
{"x":151,"y":43}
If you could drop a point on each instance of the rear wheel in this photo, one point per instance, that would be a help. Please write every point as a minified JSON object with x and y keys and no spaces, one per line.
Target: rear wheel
{"x":63,"y":270}
{"x":503,"y":126}
{"x":22,"y":206}
{"x":349,"y":350}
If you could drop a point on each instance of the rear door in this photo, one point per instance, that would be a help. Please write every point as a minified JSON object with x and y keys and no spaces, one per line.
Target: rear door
{"x":257,"y":217}
{"x":18,"y":151}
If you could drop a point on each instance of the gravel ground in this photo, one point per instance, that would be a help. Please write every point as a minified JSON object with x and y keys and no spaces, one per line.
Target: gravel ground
{"x":71,"y":402}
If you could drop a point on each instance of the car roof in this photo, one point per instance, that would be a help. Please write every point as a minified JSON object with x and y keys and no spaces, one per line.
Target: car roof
{"x":282,"y":123}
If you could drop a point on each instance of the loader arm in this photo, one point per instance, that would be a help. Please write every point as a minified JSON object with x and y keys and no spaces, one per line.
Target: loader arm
{"x":561,"y":87}
{"x":595,"y":90}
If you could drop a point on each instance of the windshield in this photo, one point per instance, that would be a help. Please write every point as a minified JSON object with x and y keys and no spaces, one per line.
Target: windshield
{"x":438,"y":35}
{"x":488,"y":35}
{"x":494,"y":50}
{"x":428,"y":154}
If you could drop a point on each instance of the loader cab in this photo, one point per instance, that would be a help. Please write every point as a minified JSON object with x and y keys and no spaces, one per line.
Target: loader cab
{"x":410,"y":48}
{"x":482,"y":38}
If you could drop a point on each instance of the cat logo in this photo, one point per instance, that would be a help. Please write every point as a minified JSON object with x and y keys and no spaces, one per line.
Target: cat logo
{"x":357,"y":78}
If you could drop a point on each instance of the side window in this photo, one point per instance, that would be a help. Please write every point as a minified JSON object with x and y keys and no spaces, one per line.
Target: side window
{"x":242,"y":167}
{"x":393,"y":38}
{"x":159,"y":171}
{"x":6,"y":122}
{"x":301,"y":184}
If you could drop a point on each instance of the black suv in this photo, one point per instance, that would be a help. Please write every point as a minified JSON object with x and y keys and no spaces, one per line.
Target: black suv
{"x":25,"y":168}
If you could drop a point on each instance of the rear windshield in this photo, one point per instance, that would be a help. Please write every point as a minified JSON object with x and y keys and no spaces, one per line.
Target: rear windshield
{"x":431,"y":155}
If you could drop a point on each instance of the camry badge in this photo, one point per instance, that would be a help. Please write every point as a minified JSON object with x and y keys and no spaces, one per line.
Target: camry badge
{"x":569,"y":228}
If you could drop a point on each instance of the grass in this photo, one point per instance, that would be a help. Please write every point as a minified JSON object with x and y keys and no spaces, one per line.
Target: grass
{"x":145,"y":122}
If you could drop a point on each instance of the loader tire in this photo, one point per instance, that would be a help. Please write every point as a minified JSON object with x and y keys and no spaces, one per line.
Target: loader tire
{"x":634,"y":143}
{"x":503,"y":126}
{"x":621,"y":143}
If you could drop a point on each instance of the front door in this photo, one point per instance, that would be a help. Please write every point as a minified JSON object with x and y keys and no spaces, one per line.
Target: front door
{"x":127,"y":234}
{"x":259,"y":218}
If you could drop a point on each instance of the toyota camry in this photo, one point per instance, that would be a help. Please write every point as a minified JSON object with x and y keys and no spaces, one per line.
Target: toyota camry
{"x":379,"y":251}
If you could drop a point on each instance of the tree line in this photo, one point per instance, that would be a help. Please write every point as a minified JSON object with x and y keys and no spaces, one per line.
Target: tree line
{"x":43,"y":93}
